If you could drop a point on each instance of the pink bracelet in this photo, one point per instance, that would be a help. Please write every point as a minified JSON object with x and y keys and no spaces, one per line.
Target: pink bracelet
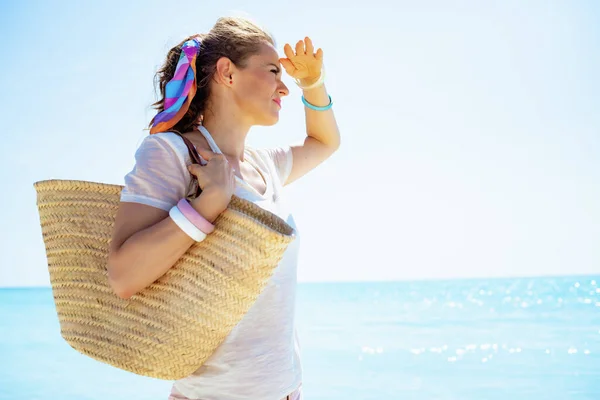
{"x":194,"y":217}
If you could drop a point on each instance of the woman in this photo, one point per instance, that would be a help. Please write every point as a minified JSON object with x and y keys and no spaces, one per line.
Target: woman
{"x":214,"y":88}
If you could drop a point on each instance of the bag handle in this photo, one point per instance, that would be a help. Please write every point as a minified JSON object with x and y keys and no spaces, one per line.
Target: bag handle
{"x":196,"y":159}
{"x":192,"y":149}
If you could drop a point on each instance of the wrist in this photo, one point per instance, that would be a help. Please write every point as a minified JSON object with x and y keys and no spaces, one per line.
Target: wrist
{"x":312,"y":82}
{"x":307,"y":82}
{"x":210,"y":204}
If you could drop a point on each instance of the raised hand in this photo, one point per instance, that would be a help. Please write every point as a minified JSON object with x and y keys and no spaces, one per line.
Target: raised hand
{"x":303,"y":63}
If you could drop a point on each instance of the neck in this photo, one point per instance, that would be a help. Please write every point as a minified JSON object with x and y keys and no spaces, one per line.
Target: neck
{"x":227,"y":128}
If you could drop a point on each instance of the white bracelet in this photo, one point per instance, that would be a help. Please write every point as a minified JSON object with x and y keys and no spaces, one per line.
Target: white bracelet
{"x":185,"y":225}
{"x":318,"y":83}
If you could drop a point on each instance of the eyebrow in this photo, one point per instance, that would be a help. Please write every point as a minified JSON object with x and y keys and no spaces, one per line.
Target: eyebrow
{"x":276,"y":66}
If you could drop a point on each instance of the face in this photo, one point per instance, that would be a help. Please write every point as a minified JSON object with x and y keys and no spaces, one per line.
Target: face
{"x":258,"y":89}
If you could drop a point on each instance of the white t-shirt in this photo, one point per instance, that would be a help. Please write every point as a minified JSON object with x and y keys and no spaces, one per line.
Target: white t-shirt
{"x":260,"y":359}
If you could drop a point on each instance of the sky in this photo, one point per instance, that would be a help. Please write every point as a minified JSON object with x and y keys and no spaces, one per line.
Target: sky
{"x":470,"y":130}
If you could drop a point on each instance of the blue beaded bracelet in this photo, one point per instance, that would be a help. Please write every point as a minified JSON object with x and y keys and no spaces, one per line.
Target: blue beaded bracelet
{"x":316,"y":108}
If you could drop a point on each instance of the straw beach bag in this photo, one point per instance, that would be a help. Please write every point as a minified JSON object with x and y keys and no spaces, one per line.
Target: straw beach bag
{"x":169,"y":329}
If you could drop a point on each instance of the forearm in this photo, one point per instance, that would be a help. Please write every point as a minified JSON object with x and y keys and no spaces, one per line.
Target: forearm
{"x":146,"y":256}
{"x":321,"y":125}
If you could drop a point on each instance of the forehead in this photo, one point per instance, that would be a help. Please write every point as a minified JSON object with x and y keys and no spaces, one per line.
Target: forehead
{"x":266,"y":54}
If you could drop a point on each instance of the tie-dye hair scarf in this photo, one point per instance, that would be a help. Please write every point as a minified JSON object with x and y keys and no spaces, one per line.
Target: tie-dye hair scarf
{"x":180,"y":90}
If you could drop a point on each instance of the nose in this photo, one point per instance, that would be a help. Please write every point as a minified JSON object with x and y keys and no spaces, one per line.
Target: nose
{"x":282,"y":89}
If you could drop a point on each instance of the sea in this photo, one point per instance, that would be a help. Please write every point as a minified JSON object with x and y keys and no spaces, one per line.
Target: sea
{"x":484,"y":339}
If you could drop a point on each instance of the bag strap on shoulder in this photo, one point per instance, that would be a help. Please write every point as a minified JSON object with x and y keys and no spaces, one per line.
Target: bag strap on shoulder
{"x":196,"y":159}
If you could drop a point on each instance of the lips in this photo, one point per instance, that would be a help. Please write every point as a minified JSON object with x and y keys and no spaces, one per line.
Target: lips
{"x":278,"y":101}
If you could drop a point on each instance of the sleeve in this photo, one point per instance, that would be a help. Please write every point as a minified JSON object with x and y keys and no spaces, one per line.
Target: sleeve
{"x":159,"y":178}
{"x":282,"y":159}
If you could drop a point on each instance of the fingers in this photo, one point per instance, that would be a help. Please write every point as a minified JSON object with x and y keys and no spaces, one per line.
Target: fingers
{"x":305,"y":46}
{"x":214,"y":161}
{"x":287,"y":65}
{"x":205,"y":154}
{"x":287,"y":49}
{"x":310,"y":49}
{"x":195,"y":169}
{"x":297,"y":59}
{"x":319,"y":55}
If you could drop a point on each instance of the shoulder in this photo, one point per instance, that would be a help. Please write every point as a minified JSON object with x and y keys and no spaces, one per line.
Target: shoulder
{"x":159,"y":177}
{"x":164,"y":139}
{"x":163,"y":144}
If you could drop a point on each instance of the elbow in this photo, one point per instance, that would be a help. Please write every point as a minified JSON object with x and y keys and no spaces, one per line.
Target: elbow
{"x":116,"y":281}
{"x":121,"y":291}
{"x":334,"y":147}
{"x":335,"y":144}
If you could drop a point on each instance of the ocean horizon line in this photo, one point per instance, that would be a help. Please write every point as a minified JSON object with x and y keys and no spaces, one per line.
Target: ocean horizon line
{"x":396,"y":281}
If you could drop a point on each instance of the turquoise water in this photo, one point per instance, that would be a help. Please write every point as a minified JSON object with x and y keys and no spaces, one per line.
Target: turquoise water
{"x":534,"y":338}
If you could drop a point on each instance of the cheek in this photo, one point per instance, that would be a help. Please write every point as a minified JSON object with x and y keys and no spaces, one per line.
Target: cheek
{"x":262,"y":85}
{"x":256,"y":91}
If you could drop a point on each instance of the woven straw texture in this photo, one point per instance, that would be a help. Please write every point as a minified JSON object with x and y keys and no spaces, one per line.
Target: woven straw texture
{"x":169,"y":329}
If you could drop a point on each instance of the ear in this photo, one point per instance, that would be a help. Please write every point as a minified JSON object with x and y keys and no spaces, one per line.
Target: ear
{"x":224,"y":71}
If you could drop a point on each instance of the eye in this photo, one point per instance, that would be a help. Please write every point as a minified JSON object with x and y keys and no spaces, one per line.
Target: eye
{"x":275,"y":71}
